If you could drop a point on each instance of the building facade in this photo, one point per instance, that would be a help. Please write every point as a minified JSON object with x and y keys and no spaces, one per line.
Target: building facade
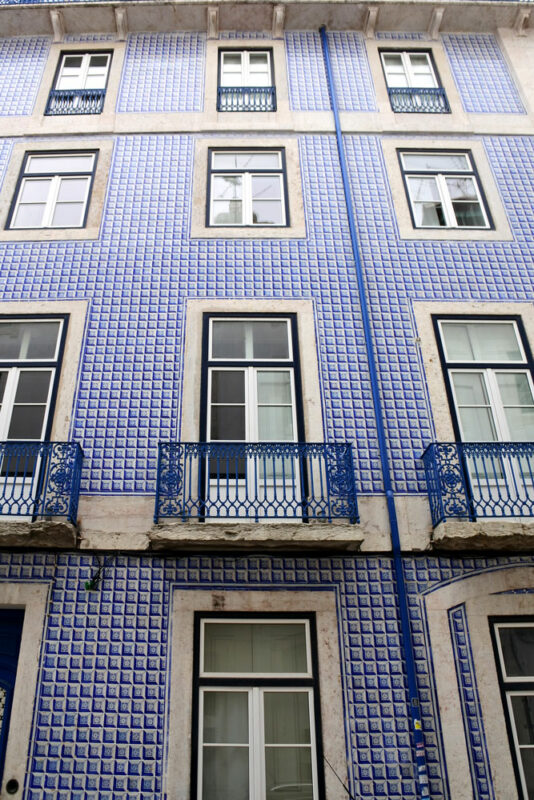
{"x":267,"y":400}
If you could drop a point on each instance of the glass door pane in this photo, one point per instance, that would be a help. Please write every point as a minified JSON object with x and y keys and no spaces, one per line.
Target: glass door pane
{"x":225,"y":745}
{"x":288,"y":749}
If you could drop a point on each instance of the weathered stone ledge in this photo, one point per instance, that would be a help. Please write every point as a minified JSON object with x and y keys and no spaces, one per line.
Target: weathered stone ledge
{"x":42,"y":533}
{"x":279,"y":536}
{"x":501,"y":534}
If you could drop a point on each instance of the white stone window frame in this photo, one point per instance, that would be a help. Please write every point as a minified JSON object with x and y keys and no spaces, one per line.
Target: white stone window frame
{"x":184,"y":604}
{"x":87,"y":123}
{"x":484,"y":596}
{"x":201,"y":178}
{"x":95,"y":204}
{"x":56,"y":178}
{"x":440,"y":177}
{"x":392,"y":145}
{"x":436,"y":379}
{"x":33,"y":598}
{"x":247,"y":177}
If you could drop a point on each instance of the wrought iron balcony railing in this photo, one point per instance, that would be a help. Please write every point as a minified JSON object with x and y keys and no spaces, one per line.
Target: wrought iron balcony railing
{"x":40,"y":479}
{"x":473,"y":480}
{"x":246,"y":98}
{"x":256,"y":481}
{"x":75,"y":101}
{"x":419,"y":101}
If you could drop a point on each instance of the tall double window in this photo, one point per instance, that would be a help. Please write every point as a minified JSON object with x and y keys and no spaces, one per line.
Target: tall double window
{"x":443,"y":189}
{"x":80,"y":84}
{"x":412,"y":81}
{"x":250,"y":379}
{"x":246,"y":81}
{"x":30,"y":351}
{"x":256,"y":709}
{"x":489,"y":371}
{"x":514,"y":644}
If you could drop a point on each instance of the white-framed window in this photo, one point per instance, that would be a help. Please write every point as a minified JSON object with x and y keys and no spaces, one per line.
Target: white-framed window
{"x":256,"y":709}
{"x":409,"y":69}
{"x":247,"y":188}
{"x":30,"y":351}
{"x":443,"y":189}
{"x":82,"y":71}
{"x":514,"y":640}
{"x":250,"y":380}
{"x":245,"y":68}
{"x":53,"y":190}
{"x":490,"y":377}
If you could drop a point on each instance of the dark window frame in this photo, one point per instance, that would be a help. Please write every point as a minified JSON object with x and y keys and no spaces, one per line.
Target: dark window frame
{"x":23,"y":174}
{"x":446,"y":366}
{"x":282,"y":171}
{"x":472,"y":173}
{"x":311,"y":683}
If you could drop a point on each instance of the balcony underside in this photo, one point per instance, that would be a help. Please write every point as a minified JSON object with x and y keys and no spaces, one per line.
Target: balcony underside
{"x":502,"y":534}
{"x":41,"y":534}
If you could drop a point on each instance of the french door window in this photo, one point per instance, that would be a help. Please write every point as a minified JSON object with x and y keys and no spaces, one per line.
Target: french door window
{"x":409,"y":69}
{"x":256,"y":710}
{"x":490,"y":379}
{"x":83,"y":71}
{"x":514,"y":641}
{"x":245,"y":68}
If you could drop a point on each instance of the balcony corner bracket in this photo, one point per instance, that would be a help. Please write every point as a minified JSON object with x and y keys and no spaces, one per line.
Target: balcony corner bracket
{"x":279,"y":19}
{"x":371,"y":19}
{"x":521,"y":21}
{"x":121,"y":23}
{"x":435,"y":22}
{"x":58,"y":24}
{"x":213,"y":22}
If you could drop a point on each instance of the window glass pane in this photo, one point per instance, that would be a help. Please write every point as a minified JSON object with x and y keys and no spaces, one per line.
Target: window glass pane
{"x":470,"y":388}
{"x":228,"y":339}
{"x":227,"y":212}
{"x":527,"y":760}
{"x":266,"y":187}
{"x":436,"y":162}
{"x":258,"y":160}
{"x":270,"y":339}
{"x":3,"y":381}
{"x":227,"y":423}
{"x":515,"y":388}
{"x":288,"y":773}
{"x":520,"y":425}
{"x":485,"y":341}
{"x":477,"y":425}
{"x":98,"y":62}
{"x":35,"y":191}
{"x":267,"y":212}
{"x":469,"y":215}
{"x":426,"y":202}
{"x":72,"y":189}
{"x":33,"y":386}
{"x":523,"y":710}
{"x":29,"y":216}
{"x":226,"y":717}
{"x":68,"y":215}
{"x":462,"y":188}
{"x":58,"y":164}
{"x":73,"y":62}
{"x":259,"y":60}
{"x":275,"y":424}
{"x":26,"y":422}
{"x":232,"y":60}
{"x":287,"y":718}
{"x":225,"y":773}
{"x":226,"y":187}
{"x":255,"y":647}
{"x":517,"y":644}
{"x":227,"y":386}
{"x":274,"y":387}
{"x":31,"y":340}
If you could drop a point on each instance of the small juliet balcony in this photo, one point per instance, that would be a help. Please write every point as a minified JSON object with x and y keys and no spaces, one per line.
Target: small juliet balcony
{"x":246,"y":98}
{"x":75,"y":101}
{"x":484,"y":484}
{"x":40,"y":479}
{"x":419,"y":101}
{"x":256,"y":482}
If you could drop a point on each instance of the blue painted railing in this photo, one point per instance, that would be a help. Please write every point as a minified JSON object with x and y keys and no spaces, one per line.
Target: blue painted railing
{"x":246,"y":98}
{"x":40,"y":479}
{"x":419,"y":101}
{"x":473,"y":480}
{"x":75,"y":101}
{"x":258,"y":481}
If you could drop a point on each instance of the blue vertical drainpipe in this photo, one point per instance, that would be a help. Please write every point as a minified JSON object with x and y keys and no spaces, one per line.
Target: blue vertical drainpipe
{"x":418,"y":739}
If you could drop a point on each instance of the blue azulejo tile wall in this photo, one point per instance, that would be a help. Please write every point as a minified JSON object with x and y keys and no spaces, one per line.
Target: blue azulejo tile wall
{"x":100,"y":720}
{"x":145,"y":264}
{"x":22,"y":61}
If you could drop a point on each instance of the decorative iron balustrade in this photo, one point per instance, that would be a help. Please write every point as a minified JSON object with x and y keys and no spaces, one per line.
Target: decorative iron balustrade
{"x":75,"y":101}
{"x":40,"y":479}
{"x":473,"y":480}
{"x":259,"y":481}
{"x":246,"y":98}
{"x":420,"y":101}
